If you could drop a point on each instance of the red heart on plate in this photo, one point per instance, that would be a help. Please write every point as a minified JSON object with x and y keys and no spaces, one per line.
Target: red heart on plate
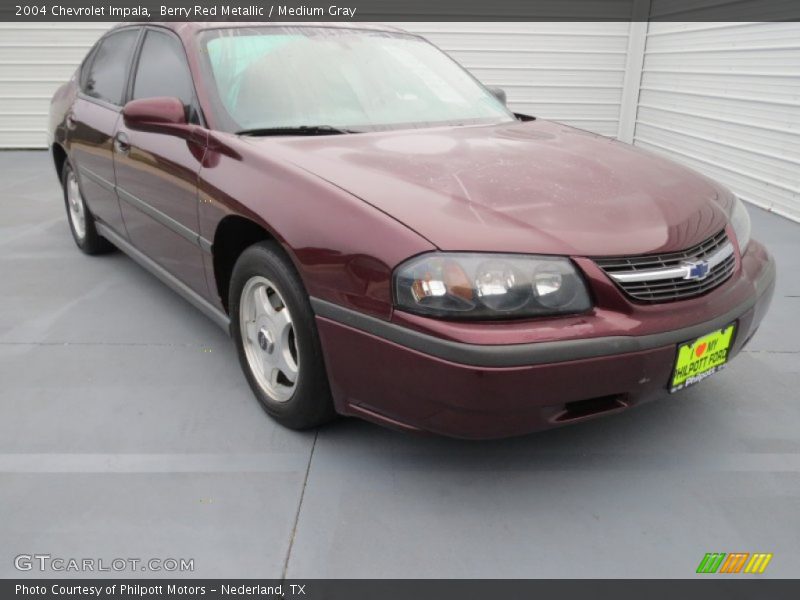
{"x":698,"y":352}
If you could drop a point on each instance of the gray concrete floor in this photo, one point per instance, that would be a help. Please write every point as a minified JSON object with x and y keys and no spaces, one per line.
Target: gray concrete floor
{"x":127,"y":430}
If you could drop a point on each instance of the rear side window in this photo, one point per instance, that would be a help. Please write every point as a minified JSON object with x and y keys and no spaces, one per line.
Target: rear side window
{"x":163,"y":70}
{"x":107,"y":74}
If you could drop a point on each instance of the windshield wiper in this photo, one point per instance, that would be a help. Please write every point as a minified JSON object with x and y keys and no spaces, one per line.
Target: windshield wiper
{"x":298,"y":130}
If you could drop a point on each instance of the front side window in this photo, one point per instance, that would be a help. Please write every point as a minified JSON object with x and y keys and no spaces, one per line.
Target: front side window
{"x":107,"y":74}
{"x":267,"y":77}
{"x":162,"y":69}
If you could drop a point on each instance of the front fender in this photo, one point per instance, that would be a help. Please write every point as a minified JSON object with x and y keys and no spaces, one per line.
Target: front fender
{"x":343,"y":248}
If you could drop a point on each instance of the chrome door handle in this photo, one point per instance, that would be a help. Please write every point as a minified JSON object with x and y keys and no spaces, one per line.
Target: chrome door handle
{"x":121,"y":143}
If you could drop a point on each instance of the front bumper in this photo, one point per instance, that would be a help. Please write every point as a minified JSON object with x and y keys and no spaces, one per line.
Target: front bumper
{"x":405,"y":376}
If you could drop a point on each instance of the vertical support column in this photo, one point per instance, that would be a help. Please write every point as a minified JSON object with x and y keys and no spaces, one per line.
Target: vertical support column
{"x":637,"y":40}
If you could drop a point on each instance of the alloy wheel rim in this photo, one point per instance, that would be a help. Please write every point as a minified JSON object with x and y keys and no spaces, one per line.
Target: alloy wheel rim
{"x":269,"y":339}
{"x":77,"y":213}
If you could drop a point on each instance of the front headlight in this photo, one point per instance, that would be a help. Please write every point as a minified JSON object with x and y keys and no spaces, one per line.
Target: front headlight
{"x":461,"y":285}
{"x":740,"y":221}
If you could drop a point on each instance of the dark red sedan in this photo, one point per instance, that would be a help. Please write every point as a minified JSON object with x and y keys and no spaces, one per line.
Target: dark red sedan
{"x":384,"y":238}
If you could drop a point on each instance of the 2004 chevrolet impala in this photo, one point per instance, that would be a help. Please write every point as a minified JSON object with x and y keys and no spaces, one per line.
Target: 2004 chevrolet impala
{"x":384,"y":238}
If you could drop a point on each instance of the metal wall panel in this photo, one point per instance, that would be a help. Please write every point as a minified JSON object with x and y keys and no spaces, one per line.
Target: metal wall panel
{"x":724,"y":98}
{"x":35,"y":58}
{"x":568,"y":72}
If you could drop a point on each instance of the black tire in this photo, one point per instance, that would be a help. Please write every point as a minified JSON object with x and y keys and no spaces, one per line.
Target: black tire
{"x":90,"y":242}
{"x":310,"y":403}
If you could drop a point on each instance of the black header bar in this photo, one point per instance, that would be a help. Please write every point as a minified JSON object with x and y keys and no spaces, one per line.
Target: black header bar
{"x":400,"y":10}
{"x":706,"y":587}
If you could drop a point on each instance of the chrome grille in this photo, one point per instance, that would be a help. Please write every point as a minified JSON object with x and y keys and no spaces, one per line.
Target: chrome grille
{"x":673,"y":276}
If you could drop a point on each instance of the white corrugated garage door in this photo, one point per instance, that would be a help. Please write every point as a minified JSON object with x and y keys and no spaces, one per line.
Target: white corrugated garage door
{"x":725,"y":99}
{"x":569,"y":72}
{"x":35,"y":58}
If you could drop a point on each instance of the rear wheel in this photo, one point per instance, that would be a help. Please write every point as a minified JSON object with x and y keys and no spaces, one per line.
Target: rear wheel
{"x":81,"y":221}
{"x":276,"y":337}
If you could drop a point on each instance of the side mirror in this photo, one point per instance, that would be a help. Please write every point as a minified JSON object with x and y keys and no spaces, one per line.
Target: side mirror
{"x":158,"y":115}
{"x":498,"y":93}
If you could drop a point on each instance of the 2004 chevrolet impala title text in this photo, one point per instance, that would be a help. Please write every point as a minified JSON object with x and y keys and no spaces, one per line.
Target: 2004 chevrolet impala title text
{"x":384,"y":238}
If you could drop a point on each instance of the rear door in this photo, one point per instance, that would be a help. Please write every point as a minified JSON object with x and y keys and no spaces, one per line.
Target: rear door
{"x":157,"y":172}
{"x":93,"y":120}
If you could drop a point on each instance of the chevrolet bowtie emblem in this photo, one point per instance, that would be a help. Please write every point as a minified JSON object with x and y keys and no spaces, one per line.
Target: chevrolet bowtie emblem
{"x":696,"y":270}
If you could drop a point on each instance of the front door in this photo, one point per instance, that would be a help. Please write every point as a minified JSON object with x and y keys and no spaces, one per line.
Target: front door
{"x":156,"y":172}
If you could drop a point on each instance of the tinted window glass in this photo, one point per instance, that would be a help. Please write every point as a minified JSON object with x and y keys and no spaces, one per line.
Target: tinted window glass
{"x":108,"y":72}
{"x":163,"y":70}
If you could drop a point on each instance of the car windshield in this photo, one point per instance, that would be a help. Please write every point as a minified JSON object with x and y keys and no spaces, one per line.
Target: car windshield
{"x":347,"y":79}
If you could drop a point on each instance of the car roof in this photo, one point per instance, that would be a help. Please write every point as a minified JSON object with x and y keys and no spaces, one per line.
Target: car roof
{"x":189,"y":27}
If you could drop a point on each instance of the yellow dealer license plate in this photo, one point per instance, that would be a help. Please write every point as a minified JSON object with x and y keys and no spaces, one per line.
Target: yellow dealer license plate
{"x":701,"y":358}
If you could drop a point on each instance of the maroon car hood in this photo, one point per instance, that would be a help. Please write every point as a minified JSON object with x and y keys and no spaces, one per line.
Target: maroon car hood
{"x":521,"y":187}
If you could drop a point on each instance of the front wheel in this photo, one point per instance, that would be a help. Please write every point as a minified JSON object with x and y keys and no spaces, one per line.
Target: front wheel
{"x":273,"y":327}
